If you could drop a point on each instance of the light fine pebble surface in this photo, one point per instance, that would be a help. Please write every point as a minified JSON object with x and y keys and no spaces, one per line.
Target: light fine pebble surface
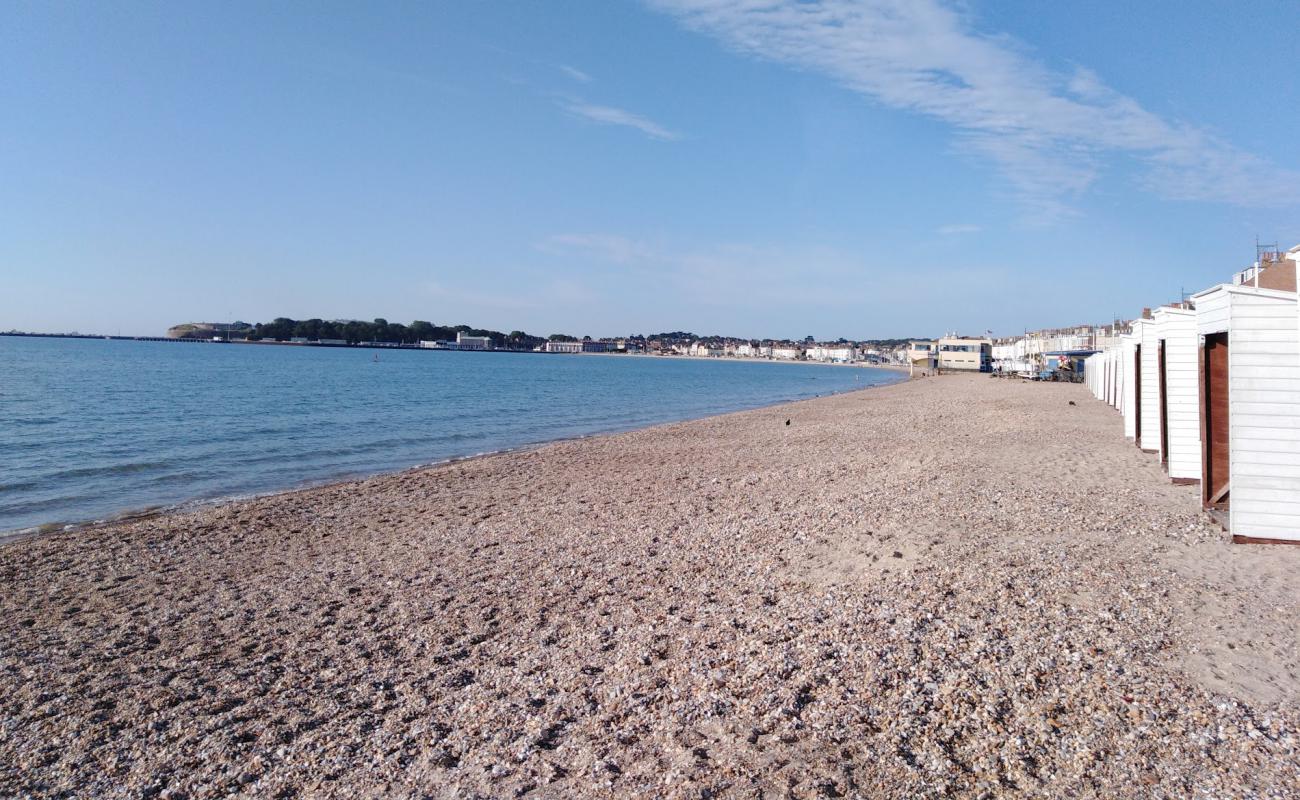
{"x":950,"y":587}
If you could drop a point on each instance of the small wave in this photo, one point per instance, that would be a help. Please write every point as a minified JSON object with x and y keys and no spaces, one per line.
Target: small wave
{"x":126,"y":468}
{"x":33,"y":422}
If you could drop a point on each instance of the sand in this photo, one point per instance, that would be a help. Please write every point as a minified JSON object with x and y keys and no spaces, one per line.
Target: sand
{"x":950,"y":587}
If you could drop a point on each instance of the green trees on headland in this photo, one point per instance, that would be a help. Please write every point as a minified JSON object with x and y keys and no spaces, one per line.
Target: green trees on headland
{"x":284,"y":329}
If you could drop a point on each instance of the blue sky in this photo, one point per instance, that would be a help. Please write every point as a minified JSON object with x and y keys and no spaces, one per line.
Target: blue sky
{"x":749,"y":167}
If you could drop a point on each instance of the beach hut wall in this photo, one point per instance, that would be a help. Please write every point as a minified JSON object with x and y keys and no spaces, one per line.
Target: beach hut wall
{"x":1116,"y":376}
{"x":1112,"y":376}
{"x":1104,"y":389}
{"x":1179,"y":401}
{"x":1127,"y":403}
{"x":1148,"y":424}
{"x":1249,"y":391}
{"x":1116,"y":366}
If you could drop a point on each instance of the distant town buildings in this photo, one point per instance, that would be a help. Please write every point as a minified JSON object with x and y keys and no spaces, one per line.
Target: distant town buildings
{"x":704,"y":349}
{"x":1034,"y":351}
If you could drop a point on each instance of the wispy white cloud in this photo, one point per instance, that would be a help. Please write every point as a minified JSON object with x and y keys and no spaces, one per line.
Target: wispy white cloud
{"x":729,"y":274}
{"x":600,"y":246}
{"x":608,"y":115}
{"x":575,"y":73}
{"x":1047,"y":132}
{"x":958,"y":229}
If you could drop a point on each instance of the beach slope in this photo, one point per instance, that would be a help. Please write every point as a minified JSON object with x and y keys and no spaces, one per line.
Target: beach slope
{"x":953,"y":586}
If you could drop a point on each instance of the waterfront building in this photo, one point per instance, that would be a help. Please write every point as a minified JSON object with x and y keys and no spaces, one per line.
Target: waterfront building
{"x":563,"y":347}
{"x":965,"y":353}
{"x":922,"y":356}
{"x":1273,"y":270}
{"x":788,"y":353}
{"x":467,"y":342}
{"x":840,"y":354}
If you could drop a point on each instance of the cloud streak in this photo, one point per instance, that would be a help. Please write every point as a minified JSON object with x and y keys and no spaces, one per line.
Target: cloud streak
{"x":608,"y":115}
{"x":610,"y":248}
{"x":575,"y":73}
{"x":1049,"y":133}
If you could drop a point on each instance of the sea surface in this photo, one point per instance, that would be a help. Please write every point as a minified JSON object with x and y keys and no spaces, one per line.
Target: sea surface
{"x":91,"y":428}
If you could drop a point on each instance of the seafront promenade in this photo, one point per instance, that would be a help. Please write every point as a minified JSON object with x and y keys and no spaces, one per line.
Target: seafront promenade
{"x":949,"y":587}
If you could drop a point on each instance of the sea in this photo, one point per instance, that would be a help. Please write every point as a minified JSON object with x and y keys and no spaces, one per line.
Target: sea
{"x":93,"y":429}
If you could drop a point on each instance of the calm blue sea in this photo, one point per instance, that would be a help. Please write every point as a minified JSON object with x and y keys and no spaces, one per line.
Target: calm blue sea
{"x":93,"y":428}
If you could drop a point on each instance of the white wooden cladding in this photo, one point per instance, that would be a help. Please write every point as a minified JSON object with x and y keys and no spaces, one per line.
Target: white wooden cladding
{"x":1176,"y":328}
{"x":1149,"y":407}
{"x":1128,"y":349}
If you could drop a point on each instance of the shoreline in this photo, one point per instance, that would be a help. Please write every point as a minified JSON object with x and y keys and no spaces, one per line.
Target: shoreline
{"x":857,"y":595}
{"x":200,"y":503}
{"x":403,"y":347}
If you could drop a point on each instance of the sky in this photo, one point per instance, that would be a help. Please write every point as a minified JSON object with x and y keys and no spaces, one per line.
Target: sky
{"x":755,"y":168}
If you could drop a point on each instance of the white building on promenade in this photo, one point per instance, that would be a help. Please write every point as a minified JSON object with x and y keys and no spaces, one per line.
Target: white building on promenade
{"x":842,"y":354}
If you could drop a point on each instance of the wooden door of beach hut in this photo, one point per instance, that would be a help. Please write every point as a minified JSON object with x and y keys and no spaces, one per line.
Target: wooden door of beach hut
{"x":1250,"y":408}
{"x":1148,"y":392}
{"x":1180,"y":449}
{"x":1164,"y":406}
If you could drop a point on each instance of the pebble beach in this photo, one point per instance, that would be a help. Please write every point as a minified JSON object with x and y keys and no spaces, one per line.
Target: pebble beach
{"x":947,"y":587}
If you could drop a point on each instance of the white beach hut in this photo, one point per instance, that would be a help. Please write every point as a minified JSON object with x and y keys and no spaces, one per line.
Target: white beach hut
{"x":1093,"y":372}
{"x":1127,"y":400}
{"x":1116,"y":375}
{"x":1113,"y":364}
{"x":1178,"y":399}
{"x":1108,"y":366}
{"x":1148,"y":385}
{"x":1249,"y":376}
